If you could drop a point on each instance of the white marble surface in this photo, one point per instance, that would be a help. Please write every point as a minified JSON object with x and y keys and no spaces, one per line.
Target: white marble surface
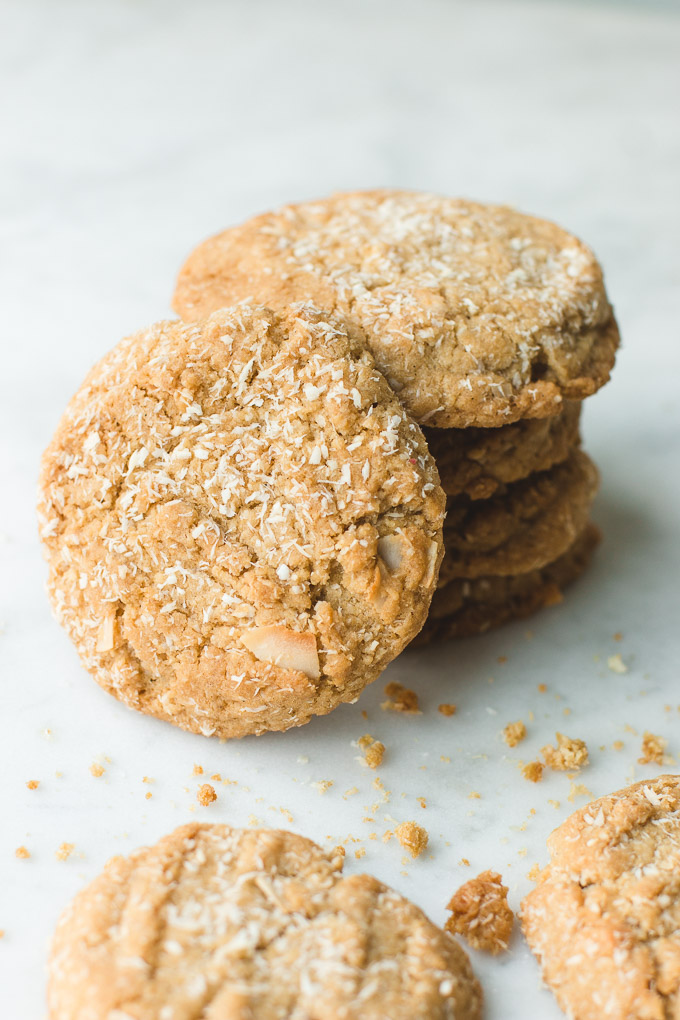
{"x":132,"y":129}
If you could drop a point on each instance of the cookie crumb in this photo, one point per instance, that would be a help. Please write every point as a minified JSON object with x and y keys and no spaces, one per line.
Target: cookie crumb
{"x":533,"y":771}
{"x":400,"y":699}
{"x":322,"y":785}
{"x":148,"y":779}
{"x":618,"y":745}
{"x":351,"y":792}
{"x":148,"y":795}
{"x":361,"y":852}
{"x":653,"y":748}
{"x":374,"y":750}
{"x":422,"y":802}
{"x":578,"y":790}
{"x":464,"y":862}
{"x":64,"y":851}
{"x":480,"y":913}
{"x":533,"y":875}
{"x":206,"y":794}
{"x":616,"y":664}
{"x":197,"y":770}
{"x":542,"y":688}
{"x":33,"y":784}
{"x":570,"y":753}
{"x":514,"y":733}
{"x":22,"y":853}
{"x":447,"y":709}
{"x":413,"y":837}
{"x":97,"y":770}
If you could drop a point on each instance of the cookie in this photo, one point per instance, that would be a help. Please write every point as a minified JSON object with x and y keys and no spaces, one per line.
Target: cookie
{"x":521,"y":528}
{"x":478,"y":315}
{"x":604,"y":918}
{"x":250,"y":925}
{"x":477,"y":462}
{"x":463,"y":608}
{"x":242,"y":523}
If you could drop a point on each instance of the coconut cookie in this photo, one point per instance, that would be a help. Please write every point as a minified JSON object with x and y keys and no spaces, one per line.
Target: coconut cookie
{"x":463,"y":608}
{"x":521,"y":528}
{"x":250,"y":925}
{"x":604,"y":918}
{"x":477,"y":314}
{"x":242,"y":523}
{"x":477,"y":462}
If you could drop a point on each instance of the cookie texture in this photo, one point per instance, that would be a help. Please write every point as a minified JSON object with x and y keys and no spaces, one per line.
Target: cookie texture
{"x":242,"y":523}
{"x":477,"y":314}
{"x":463,"y":608}
{"x":604,"y":918}
{"x":215,"y":922}
{"x":523,"y":526}
{"x":477,"y":462}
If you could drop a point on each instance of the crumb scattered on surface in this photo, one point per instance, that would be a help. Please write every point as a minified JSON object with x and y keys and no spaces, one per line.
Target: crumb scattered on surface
{"x":361,"y":852}
{"x":578,"y":790}
{"x":97,"y":770}
{"x":514,"y":733}
{"x":447,"y":709}
{"x":206,"y":794}
{"x":464,"y":862}
{"x":570,"y":753}
{"x":534,"y":873}
{"x":287,"y":815}
{"x":480,"y":913}
{"x":422,"y":802}
{"x":618,"y":636}
{"x":533,"y":771}
{"x":474,"y":795}
{"x":618,"y":745}
{"x":64,"y":851}
{"x":148,"y":779}
{"x":445,"y":758}
{"x":374,"y":750}
{"x":148,"y":795}
{"x":22,"y":853}
{"x":653,"y":749}
{"x":197,"y":770}
{"x":33,"y":784}
{"x":400,"y":699}
{"x":413,"y":837}
{"x":322,"y":785}
{"x":216,"y":777}
{"x":616,"y":664}
{"x":542,"y":688}
{"x":351,"y":792}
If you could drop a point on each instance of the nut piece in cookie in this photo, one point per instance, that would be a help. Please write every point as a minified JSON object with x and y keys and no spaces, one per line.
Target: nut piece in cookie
{"x":480,"y":913}
{"x":604,"y":918}
{"x":478,"y":315}
{"x":221,"y":922}
{"x":242,"y":523}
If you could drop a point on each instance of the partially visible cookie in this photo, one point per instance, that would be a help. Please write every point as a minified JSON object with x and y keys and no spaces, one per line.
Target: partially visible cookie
{"x":523,"y":526}
{"x":604,"y":918}
{"x":463,"y":608}
{"x":217,"y":922}
{"x":477,"y":462}
{"x":242,"y":523}
{"x":477,"y":314}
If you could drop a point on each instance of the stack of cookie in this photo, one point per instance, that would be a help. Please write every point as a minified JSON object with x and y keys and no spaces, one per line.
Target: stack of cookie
{"x":492,"y":327}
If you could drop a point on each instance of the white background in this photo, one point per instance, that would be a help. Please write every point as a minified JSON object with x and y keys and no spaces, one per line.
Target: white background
{"x":132,"y":130}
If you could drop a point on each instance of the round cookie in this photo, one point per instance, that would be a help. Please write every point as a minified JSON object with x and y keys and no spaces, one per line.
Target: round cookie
{"x":218,"y":922}
{"x":477,"y":314}
{"x":476,"y":462}
{"x":604,"y":918}
{"x":463,"y":608}
{"x":242,"y":523}
{"x":521,"y":528}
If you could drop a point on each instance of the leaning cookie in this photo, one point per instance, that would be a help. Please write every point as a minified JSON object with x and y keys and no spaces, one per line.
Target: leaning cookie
{"x":242,"y":523}
{"x":463,"y":608}
{"x":250,"y":925}
{"x":477,"y":314}
{"x":604,"y":919}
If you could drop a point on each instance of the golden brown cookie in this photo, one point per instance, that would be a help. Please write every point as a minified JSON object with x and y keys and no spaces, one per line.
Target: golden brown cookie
{"x":604,"y":918}
{"x":477,"y":314}
{"x":242,"y":523}
{"x":463,"y":608}
{"x":523,"y":526}
{"x":215,"y":922}
{"x":477,"y":462}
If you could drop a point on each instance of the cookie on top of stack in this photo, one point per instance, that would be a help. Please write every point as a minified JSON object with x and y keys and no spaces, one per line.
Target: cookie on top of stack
{"x":491,"y":326}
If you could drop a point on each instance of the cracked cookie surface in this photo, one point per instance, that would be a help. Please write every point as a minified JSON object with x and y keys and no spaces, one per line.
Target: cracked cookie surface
{"x":604,"y":918}
{"x":242,"y":523}
{"x":477,"y":314}
{"x":251,"y":925}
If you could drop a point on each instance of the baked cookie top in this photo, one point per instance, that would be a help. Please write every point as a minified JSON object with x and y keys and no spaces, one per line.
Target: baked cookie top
{"x":477,"y":314}
{"x":257,"y":924}
{"x":604,"y":919}
{"x":242,"y":523}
